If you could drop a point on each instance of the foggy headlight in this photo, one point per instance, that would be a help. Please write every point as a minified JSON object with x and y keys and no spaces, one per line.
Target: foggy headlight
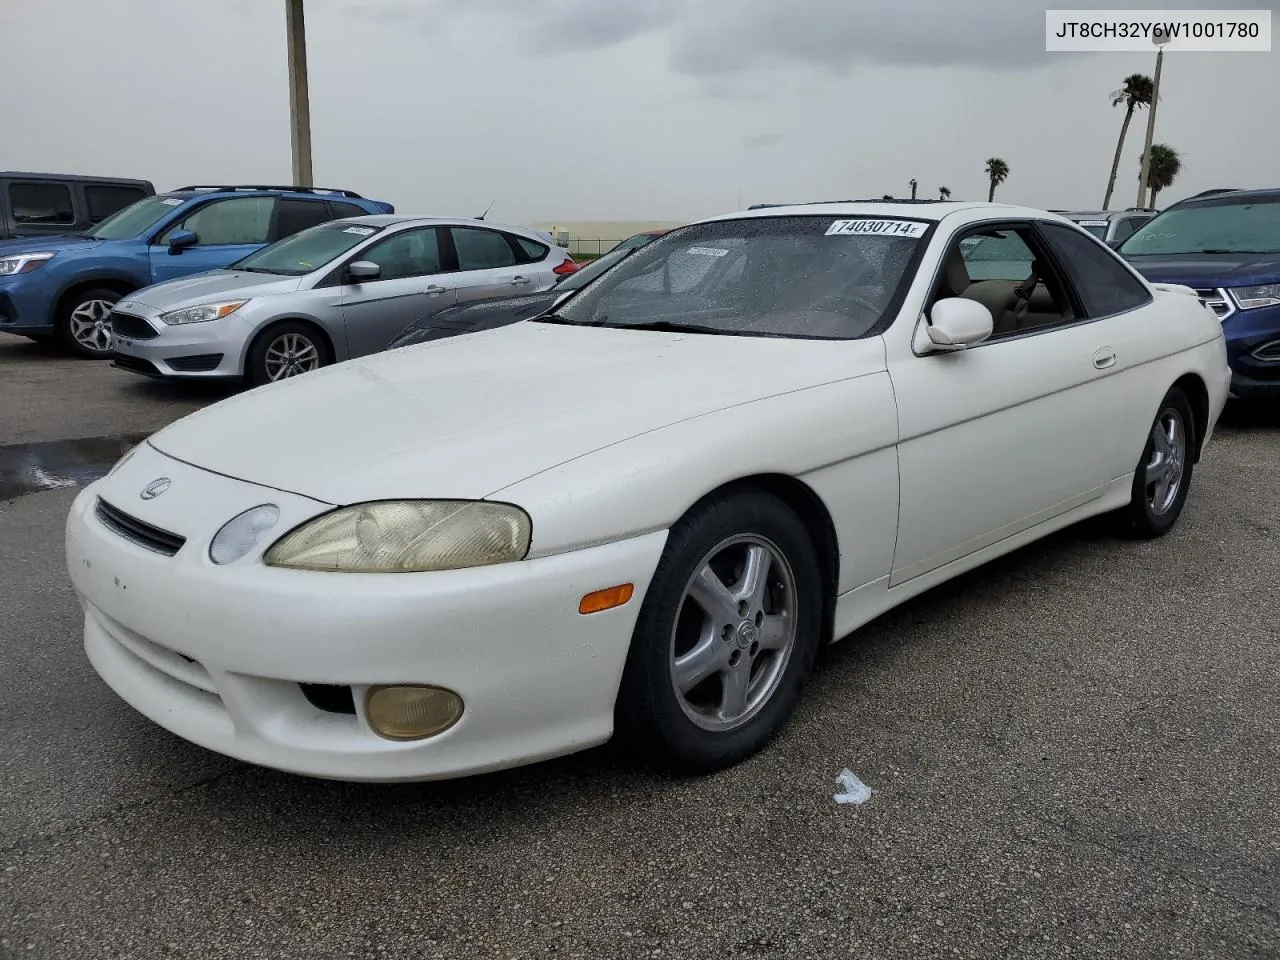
{"x":1264,"y":295}
{"x":410,"y":536}
{"x":241,"y":533}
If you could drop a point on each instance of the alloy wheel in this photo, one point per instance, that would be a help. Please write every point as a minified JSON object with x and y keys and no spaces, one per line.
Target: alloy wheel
{"x":734,"y":633}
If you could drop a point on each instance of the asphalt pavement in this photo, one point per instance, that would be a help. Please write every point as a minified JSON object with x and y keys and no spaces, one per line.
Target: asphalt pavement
{"x":1073,"y":752}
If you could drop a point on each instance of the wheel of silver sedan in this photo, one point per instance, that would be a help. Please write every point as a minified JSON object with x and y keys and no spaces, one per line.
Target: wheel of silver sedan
{"x":1168,"y":460}
{"x":735,"y":632}
{"x":290,"y":354}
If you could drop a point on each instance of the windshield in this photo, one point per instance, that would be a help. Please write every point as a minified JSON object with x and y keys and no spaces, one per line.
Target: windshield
{"x":1209,"y":228}
{"x":1097,"y":227}
{"x":306,"y":250}
{"x":135,"y":218}
{"x":580,"y":278}
{"x":794,"y":276}
{"x":639,"y":240}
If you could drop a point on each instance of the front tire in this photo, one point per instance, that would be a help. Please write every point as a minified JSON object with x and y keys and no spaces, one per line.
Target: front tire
{"x":82,"y":326}
{"x":286,"y":350}
{"x":1163,"y":478}
{"x":726,"y":636}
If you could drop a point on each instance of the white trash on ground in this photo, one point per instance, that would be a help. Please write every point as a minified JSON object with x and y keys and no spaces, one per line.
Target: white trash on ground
{"x":855,"y":791}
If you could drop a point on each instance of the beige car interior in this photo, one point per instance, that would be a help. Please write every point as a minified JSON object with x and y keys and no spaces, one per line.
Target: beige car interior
{"x":1016,"y":307}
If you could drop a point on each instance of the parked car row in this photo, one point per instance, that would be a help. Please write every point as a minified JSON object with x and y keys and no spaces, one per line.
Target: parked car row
{"x":282,"y":280}
{"x":66,"y":286}
{"x":643,"y":510}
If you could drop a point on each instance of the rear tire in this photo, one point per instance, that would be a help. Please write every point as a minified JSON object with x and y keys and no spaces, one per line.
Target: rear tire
{"x":1163,"y":477}
{"x":285,"y":350}
{"x":726,"y":636}
{"x":82,"y":327}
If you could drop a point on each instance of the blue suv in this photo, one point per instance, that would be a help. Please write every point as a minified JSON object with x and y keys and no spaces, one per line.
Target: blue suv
{"x":65,"y":286}
{"x":1226,"y":245}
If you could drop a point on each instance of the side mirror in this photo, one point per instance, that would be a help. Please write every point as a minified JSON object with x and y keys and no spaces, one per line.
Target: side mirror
{"x":179,"y":240}
{"x":363,"y":270}
{"x":955,"y":323}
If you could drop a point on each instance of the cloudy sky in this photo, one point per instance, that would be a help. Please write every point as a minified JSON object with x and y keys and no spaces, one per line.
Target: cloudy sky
{"x":617,"y":109}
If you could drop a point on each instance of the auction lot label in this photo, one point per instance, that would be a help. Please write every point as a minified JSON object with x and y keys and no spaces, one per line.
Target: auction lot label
{"x":877,"y":228}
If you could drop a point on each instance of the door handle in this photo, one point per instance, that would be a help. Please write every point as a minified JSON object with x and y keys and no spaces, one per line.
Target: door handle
{"x":435,"y":290}
{"x":519,"y":281}
{"x":1106,"y":357}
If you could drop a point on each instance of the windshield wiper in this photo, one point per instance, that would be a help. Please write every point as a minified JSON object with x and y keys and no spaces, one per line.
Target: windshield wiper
{"x":1213,"y":250}
{"x":669,"y":326}
{"x":251,"y":269}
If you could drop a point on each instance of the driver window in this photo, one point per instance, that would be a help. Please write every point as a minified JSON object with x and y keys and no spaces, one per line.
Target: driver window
{"x":1003,"y":269}
{"x":238,"y":220}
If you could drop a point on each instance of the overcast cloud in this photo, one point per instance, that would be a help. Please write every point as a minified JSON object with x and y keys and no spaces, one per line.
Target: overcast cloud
{"x":626,"y":109}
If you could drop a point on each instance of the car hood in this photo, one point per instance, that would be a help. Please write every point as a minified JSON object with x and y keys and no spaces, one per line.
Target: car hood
{"x":1209,"y":270}
{"x":467,"y":317}
{"x":465,"y":417}
{"x":219,"y":284}
{"x":9,"y":248}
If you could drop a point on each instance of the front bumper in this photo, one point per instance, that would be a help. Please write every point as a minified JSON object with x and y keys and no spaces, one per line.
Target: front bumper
{"x":212,"y":351}
{"x":1248,"y":388}
{"x":24,"y":307}
{"x":217,"y":654}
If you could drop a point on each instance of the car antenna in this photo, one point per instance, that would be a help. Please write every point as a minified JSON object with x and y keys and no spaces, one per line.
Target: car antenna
{"x":487,"y":209}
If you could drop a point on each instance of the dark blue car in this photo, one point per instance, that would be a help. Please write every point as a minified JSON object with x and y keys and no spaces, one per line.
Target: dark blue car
{"x":1225,"y":245}
{"x":65,"y":286}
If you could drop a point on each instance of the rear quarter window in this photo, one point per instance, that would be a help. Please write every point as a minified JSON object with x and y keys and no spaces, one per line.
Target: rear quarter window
{"x":104,"y":200}
{"x":1104,"y":283}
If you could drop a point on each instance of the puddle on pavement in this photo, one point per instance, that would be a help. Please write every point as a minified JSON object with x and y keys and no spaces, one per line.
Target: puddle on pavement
{"x":32,"y":467}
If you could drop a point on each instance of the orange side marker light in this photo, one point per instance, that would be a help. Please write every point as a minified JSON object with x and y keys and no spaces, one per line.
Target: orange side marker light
{"x":606,"y":599}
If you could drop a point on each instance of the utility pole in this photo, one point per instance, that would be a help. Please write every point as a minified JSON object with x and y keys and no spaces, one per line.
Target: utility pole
{"x":299,"y":100}
{"x":1159,"y":38}
{"x":913,"y":183}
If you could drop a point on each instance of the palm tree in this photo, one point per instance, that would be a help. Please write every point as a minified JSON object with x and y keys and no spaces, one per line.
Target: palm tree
{"x":1164,"y":167}
{"x":997,"y":173}
{"x":1136,"y":92}
{"x":944,"y":193}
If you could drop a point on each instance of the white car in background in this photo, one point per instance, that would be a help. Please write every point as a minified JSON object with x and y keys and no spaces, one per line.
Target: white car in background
{"x":644,"y":511}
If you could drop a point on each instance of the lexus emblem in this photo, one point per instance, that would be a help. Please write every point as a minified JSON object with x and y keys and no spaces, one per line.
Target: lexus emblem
{"x":155,"y":488}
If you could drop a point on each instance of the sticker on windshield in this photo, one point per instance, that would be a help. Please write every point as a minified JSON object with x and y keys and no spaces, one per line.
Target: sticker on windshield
{"x":359,"y":231}
{"x":708,"y":251}
{"x":172,"y":201}
{"x":1092,"y":223}
{"x":877,"y":228}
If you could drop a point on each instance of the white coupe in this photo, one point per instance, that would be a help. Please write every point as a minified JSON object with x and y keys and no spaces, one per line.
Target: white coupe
{"x":642,"y":513}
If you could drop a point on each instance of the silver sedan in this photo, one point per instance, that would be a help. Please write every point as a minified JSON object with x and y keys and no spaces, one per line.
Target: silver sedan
{"x":336,"y":291}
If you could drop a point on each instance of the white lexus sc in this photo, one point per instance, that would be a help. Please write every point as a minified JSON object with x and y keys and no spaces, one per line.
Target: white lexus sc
{"x":641,"y":513}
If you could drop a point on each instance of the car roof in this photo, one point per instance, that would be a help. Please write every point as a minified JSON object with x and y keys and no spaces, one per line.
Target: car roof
{"x":931,"y":210}
{"x":1214,"y":196}
{"x":1104,"y":214}
{"x":396,"y":220}
{"x":74,"y":178}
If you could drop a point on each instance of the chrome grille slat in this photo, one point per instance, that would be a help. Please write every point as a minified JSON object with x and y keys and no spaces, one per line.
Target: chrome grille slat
{"x":1216,"y":299}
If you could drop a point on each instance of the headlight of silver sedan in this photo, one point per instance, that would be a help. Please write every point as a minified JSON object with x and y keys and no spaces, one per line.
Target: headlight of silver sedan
{"x":202,"y":313}
{"x":406,"y":536}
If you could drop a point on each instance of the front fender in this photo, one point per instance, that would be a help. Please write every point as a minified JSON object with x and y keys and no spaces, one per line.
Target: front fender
{"x":839,"y":439}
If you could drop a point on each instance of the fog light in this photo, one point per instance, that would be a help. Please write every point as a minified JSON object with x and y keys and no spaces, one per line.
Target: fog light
{"x":411,"y":713}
